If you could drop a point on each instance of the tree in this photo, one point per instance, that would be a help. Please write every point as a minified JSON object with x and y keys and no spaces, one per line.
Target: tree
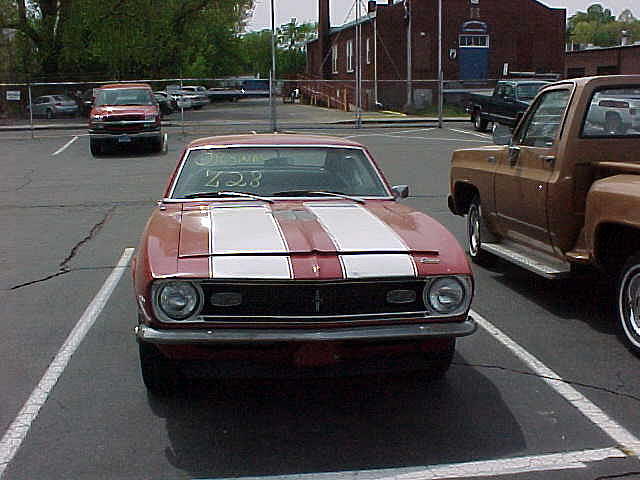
{"x":597,"y":26}
{"x":129,"y":37}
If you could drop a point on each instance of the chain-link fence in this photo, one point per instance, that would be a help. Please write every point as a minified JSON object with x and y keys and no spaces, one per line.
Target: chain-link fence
{"x":247,"y":104}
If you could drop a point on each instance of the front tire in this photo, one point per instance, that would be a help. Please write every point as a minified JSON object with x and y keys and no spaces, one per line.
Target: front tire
{"x":477,"y":232}
{"x":96,"y":146}
{"x":629,"y":302}
{"x":479,"y":123}
{"x":159,"y":374}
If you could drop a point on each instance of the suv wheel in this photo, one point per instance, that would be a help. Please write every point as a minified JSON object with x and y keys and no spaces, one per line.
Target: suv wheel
{"x":629,"y":302}
{"x":96,"y":146}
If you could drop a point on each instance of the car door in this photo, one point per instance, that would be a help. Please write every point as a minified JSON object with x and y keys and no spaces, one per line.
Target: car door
{"x":522,"y":177}
{"x":37,"y":105}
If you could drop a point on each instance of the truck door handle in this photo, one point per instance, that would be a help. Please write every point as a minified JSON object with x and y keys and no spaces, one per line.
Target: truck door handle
{"x":514,"y":153}
{"x":491,"y":159}
{"x":550,"y":159}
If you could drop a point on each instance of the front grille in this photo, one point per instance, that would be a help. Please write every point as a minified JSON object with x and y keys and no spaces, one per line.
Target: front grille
{"x":123,"y":118}
{"x":310,"y":299}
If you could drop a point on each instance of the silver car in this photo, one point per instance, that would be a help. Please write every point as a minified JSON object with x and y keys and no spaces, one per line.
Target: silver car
{"x":51,"y":106}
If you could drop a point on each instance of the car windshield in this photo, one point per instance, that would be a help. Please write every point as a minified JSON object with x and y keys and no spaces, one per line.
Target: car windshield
{"x":123,"y":96}
{"x":526,"y":91}
{"x":278,"y":171}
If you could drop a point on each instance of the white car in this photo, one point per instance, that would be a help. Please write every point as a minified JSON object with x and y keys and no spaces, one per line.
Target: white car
{"x":199,"y":93}
{"x":616,"y":111}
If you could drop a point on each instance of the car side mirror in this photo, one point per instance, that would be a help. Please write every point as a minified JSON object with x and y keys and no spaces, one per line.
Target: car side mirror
{"x":400,"y":191}
{"x":501,"y":134}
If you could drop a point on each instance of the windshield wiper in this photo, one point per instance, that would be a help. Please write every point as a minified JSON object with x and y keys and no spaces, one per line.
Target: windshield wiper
{"x":228,"y":194}
{"x":299,"y":193}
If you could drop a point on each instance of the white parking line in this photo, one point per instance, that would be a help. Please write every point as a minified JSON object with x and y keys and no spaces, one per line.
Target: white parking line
{"x":65,"y":146}
{"x":17,"y":431}
{"x":628,"y":442}
{"x":488,"y":468}
{"x":483,"y":135}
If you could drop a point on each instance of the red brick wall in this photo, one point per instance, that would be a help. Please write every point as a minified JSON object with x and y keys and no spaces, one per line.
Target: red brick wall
{"x":625,"y":59}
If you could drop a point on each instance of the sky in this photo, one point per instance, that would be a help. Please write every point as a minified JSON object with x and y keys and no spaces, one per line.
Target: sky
{"x":307,"y":10}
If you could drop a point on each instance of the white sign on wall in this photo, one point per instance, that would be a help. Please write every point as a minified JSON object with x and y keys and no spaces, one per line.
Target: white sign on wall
{"x":13,"y":95}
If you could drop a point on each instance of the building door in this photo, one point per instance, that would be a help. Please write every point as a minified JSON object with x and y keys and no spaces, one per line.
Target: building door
{"x":473,"y":51}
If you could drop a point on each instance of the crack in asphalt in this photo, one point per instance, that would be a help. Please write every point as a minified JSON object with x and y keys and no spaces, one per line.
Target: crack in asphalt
{"x":28,"y":179}
{"x":568,"y":382}
{"x":63,"y":265}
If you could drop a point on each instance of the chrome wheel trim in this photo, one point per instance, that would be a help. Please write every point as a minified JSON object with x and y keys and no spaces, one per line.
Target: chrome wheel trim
{"x":473,"y":230}
{"x":629,"y":304}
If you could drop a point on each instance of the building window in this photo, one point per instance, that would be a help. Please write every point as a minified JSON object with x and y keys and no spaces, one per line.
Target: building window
{"x":474,"y":41}
{"x":575,"y":72}
{"x":350,"y":56}
{"x":368,"y":45}
{"x":334,"y":58}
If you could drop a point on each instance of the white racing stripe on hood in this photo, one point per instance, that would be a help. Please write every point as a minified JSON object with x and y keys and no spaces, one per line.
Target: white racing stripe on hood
{"x":378,"y":265}
{"x":353,"y":228}
{"x":250,"y":230}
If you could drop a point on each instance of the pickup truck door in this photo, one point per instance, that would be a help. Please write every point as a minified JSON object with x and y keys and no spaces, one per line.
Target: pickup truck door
{"x":523,"y":175}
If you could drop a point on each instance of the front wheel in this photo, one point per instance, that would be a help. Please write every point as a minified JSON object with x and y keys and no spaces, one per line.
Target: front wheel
{"x":629,"y":302}
{"x":159,"y":374}
{"x":96,"y":147}
{"x":479,"y":123}
{"x":477,"y":232}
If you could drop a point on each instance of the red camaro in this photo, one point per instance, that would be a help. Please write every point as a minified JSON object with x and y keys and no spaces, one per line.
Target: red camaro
{"x":290,"y":255}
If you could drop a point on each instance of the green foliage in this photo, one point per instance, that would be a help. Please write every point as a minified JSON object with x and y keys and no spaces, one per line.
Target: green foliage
{"x":599,"y":27}
{"x":291,"y":41}
{"x":128,"y":38}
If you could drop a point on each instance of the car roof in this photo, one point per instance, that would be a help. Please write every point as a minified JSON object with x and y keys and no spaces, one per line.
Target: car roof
{"x":274,"y":139}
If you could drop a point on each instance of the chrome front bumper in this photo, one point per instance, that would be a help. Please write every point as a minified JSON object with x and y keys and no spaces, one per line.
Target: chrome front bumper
{"x":422,"y":331}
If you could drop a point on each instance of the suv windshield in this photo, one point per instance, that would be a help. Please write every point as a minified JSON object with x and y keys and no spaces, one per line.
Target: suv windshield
{"x":278,"y":171}
{"x":124,"y":96}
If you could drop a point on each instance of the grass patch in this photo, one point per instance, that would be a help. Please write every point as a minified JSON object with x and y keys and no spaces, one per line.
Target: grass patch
{"x":447,"y":111}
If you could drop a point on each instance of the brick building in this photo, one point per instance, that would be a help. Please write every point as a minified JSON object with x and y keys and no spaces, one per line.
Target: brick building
{"x":479,"y":38}
{"x":619,"y":60}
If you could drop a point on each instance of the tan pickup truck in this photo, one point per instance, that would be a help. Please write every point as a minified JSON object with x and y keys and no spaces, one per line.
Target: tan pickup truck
{"x":563,"y":191}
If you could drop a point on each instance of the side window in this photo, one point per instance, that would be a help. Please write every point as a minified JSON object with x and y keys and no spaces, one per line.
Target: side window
{"x":613,"y":112}
{"x":543,"y":123}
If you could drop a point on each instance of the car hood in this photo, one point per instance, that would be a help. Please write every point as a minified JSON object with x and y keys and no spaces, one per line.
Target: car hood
{"x":124,"y":109}
{"x":301,"y":240}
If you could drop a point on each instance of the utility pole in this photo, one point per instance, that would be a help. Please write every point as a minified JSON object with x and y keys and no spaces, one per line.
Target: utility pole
{"x":440,"y":75}
{"x":358,"y":33}
{"x":272,"y":77}
{"x":407,"y":6}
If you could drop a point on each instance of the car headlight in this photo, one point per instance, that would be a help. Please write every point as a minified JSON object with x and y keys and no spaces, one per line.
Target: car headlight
{"x":448,"y":295}
{"x":178,"y":300}
{"x":96,"y":118}
{"x":151,"y":116}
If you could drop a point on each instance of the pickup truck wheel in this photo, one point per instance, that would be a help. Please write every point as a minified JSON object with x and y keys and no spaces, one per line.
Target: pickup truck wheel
{"x":479,"y":124}
{"x":629,"y":302}
{"x":159,"y":374}
{"x":477,"y":231}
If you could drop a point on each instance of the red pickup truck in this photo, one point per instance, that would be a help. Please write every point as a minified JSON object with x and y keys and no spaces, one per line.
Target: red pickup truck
{"x":123,"y":114}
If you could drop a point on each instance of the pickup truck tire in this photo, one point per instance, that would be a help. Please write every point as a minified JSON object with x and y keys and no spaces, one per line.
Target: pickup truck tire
{"x":479,"y":123}
{"x":629,"y":302}
{"x":159,"y":374}
{"x":477,"y":231}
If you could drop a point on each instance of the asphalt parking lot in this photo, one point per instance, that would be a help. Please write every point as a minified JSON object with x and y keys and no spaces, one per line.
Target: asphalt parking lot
{"x":545,"y":389}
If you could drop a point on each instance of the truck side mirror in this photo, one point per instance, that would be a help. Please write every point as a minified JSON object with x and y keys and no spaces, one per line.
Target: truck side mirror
{"x":501,"y":134}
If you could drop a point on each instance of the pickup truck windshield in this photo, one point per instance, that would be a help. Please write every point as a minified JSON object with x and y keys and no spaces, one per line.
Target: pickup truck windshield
{"x":124,"y":96}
